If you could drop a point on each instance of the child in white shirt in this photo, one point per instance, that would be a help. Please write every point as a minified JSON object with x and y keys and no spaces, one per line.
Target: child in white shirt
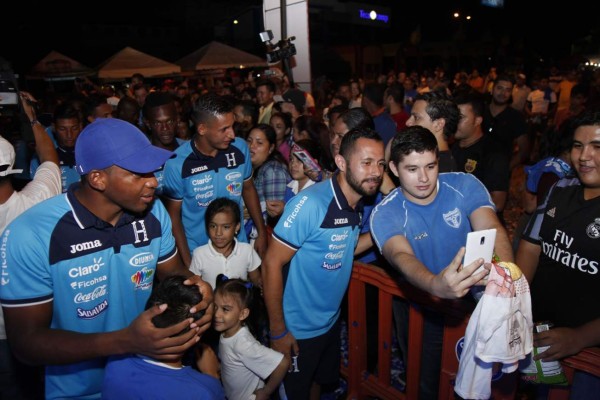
{"x":245,"y":362}
{"x":223,"y":254}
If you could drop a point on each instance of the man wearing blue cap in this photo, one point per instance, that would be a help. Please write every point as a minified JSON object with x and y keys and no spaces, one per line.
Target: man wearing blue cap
{"x":78,"y":268}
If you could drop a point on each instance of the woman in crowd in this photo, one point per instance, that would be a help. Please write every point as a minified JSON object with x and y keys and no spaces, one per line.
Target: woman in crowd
{"x":282,"y":123}
{"x":270,"y":170}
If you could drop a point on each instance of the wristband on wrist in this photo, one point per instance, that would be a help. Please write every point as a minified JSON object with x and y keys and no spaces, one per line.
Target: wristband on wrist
{"x":34,"y":122}
{"x":285,"y":332}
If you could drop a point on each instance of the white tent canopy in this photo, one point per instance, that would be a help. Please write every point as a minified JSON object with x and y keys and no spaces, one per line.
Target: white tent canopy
{"x":128,"y":61}
{"x":216,"y":55}
{"x":57,"y":66}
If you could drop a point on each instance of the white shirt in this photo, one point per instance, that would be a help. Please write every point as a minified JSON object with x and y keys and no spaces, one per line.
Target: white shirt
{"x":245,"y":364}
{"x":209,"y":263}
{"x":46,"y":183}
{"x":500,"y":330}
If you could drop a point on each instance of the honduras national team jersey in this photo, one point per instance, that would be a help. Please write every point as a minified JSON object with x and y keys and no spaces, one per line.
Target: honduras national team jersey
{"x":197,"y":179}
{"x":159,"y":174}
{"x":68,"y":173}
{"x":437,"y":230}
{"x":98,"y":277}
{"x":323,"y":229}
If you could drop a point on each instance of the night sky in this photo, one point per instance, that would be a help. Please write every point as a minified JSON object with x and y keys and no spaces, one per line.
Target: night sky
{"x":33,"y":28}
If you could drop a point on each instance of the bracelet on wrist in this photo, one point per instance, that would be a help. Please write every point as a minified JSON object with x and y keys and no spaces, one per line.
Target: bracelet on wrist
{"x":276,"y":337}
{"x":34,"y":122}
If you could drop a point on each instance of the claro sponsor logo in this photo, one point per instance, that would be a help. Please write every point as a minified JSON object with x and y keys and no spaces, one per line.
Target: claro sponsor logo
{"x":90,"y":269}
{"x":202,"y":181}
{"x":142,"y":259}
{"x":339,"y":237}
{"x":290,"y":219}
{"x":100,"y":291}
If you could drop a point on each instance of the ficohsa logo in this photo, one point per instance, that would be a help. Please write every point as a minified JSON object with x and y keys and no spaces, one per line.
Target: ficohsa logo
{"x":290,"y":219}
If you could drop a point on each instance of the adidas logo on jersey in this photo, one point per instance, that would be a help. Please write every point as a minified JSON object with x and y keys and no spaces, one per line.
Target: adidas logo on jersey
{"x":551,"y":212}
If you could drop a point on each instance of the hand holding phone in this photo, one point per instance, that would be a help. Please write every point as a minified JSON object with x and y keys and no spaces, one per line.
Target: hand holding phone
{"x":480,"y":244}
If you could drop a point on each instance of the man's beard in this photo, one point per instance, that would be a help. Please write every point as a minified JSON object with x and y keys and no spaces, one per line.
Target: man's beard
{"x":357,"y":186}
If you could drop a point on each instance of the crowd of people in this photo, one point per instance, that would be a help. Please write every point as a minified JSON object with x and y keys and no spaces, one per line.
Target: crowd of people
{"x":185,"y":241}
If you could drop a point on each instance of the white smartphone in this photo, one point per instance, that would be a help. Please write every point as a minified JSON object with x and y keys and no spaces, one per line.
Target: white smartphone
{"x":480,"y":244}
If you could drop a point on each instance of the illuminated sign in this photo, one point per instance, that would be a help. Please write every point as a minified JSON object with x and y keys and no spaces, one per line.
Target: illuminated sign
{"x":373,"y":16}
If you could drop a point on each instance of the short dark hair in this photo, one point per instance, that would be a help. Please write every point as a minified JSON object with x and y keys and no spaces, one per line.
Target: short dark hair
{"x":313,"y":148}
{"x":338,"y":109}
{"x":504,"y":77}
{"x":285,"y":117}
{"x":413,"y":138}
{"x":396,"y":90}
{"x":474,"y":99}
{"x":375,"y":93}
{"x":92,"y":101}
{"x":269,"y":84}
{"x":157,"y":99}
{"x":248,"y":296}
{"x":312,"y":126}
{"x":441,"y":105}
{"x":210,"y":106}
{"x":126,"y":106}
{"x":580,"y":89}
{"x":222,"y":204}
{"x":558,"y":140}
{"x":350,"y":139}
{"x":249,"y":108}
{"x":588,"y":118}
{"x":179,"y":298}
{"x":357,"y":118}
{"x":67,"y":110}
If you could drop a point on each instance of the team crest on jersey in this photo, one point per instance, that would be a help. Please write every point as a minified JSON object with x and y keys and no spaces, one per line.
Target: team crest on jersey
{"x":593,"y":229}
{"x":470,"y":165}
{"x":453,"y":218}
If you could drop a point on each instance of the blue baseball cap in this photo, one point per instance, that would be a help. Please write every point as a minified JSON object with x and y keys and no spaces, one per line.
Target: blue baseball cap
{"x":111,"y":141}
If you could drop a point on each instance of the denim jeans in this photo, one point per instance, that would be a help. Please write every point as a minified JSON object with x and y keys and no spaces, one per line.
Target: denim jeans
{"x":584,"y":385}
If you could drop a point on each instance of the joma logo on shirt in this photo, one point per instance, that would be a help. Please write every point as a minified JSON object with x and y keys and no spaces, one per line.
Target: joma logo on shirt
{"x":75,"y":248}
{"x":199,"y":169}
{"x":340,"y":221}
